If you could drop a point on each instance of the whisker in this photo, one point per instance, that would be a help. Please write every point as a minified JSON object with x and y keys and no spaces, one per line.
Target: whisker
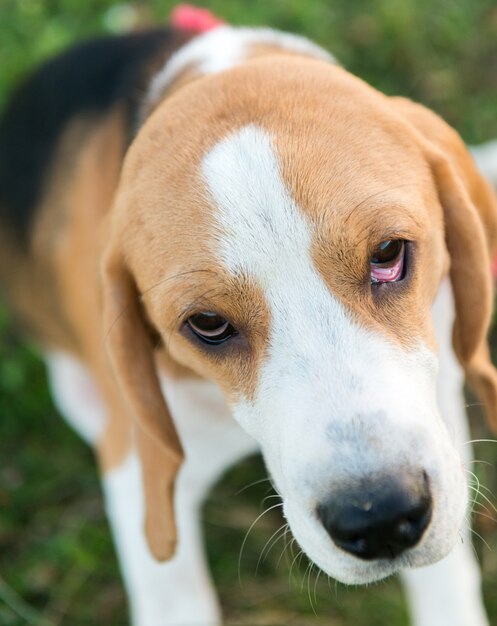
{"x":263,"y":555}
{"x":315,"y":586}
{"x":197,"y":303}
{"x":178,"y":275}
{"x":252,"y":484}
{"x":477,"y":557}
{"x":279,"y":504}
{"x":482,"y":462}
{"x":299,"y":554}
{"x":486,"y":515}
{"x":270,"y":497}
{"x":480,"y":537}
{"x":482,"y":507}
{"x":487,"y":500}
{"x":288,"y":547}
{"x":139,"y":297}
{"x":474,"y":499}
{"x":311,"y":569}
{"x":479,"y":485}
{"x":370,"y":197}
{"x":304,"y":577}
{"x":480,"y":441}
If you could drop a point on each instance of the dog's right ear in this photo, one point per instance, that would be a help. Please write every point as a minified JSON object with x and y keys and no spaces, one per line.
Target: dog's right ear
{"x":470,"y":216}
{"x":129,"y":346}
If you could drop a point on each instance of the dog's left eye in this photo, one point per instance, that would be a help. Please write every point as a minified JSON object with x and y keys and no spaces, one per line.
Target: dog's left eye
{"x":387,"y":261}
{"x":210,"y":327}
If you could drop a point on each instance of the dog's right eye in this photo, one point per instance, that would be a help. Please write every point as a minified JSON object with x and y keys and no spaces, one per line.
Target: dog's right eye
{"x":210,"y":327}
{"x":388,"y":261}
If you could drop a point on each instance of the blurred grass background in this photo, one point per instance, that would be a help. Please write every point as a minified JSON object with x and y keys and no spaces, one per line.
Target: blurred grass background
{"x":57,"y":564}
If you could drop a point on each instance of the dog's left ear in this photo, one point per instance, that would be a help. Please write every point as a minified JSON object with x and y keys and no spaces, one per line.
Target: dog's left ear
{"x":470,"y":216}
{"x":130,"y":349}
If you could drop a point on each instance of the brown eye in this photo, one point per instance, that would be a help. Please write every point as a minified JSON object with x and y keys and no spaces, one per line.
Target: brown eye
{"x":387,"y":261}
{"x":387,"y":251}
{"x":210,"y":327}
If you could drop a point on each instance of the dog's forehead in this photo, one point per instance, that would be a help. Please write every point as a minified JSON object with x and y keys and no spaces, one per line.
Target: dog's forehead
{"x":272,"y":204}
{"x":274,"y":153}
{"x":295,"y":179}
{"x":337,"y":141}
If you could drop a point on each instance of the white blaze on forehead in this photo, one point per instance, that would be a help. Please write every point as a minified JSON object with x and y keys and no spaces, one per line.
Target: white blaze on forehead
{"x":225,"y":47}
{"x":262,"y":231}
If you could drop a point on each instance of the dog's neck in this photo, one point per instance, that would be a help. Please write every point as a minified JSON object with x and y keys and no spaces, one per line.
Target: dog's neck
{"x":220,"y":49}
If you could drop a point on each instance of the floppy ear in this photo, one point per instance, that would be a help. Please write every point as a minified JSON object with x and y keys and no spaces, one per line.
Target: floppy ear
{"x":472,"y":285}
{"x":470,"y":215}
{"x":130,"y":349}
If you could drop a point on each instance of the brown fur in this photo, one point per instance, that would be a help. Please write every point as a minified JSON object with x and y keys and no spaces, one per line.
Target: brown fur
{"x":470,"y":211}
{"x":341,"y":145}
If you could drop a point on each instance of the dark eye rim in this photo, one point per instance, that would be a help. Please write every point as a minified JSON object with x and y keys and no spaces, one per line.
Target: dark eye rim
{"x":227,"y":334}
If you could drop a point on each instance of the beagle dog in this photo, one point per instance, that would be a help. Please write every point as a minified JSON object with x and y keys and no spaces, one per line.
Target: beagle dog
{"x":225,"y":242}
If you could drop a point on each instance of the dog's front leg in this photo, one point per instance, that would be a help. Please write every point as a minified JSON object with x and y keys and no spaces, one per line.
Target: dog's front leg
{"x":178,"y":592}
{"x":449,"y":592}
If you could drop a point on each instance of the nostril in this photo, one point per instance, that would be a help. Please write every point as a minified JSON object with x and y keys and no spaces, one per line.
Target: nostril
{"x":394,"y":520}
{"x":408,"y":530}
{"x":354,"y":545}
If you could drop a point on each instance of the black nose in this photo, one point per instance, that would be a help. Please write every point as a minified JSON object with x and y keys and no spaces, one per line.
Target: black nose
{"x":381,"y":520}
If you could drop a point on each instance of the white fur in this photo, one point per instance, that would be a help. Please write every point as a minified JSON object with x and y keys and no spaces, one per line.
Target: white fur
{"x":225,"y":47}
{"x":335,"y":402}
{"x":76,"y":395}
{"x":485,"y":156}
{"x":321,"y":413}
{"x":449,"y":592}
{"x":179,"y":592}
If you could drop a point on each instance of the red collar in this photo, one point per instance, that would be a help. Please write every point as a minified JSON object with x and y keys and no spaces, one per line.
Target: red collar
{"x":194,"y":19}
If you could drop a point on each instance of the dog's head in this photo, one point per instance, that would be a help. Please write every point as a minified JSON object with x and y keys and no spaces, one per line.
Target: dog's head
{"x":284,"y":229}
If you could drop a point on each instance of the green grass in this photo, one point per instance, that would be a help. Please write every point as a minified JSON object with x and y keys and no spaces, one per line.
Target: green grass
{"x":57,"y":563}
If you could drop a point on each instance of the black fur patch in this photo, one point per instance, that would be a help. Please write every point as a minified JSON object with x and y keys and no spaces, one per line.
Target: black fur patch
{"x":91,"y":77}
